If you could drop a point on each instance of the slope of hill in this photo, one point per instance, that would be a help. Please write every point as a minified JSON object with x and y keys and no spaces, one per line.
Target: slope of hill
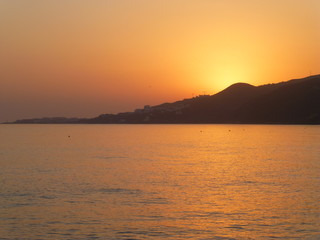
{"x":292,"y":102}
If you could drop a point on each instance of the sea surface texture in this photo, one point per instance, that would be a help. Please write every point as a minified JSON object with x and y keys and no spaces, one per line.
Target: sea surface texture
{"x":159,"y":182}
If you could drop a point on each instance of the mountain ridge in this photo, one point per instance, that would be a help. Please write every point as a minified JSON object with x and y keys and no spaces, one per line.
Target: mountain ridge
{"x":295,"y":101}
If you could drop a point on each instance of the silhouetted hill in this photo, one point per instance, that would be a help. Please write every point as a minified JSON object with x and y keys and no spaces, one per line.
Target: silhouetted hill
{"x":296,"y":101}
{"x":292,"y":102}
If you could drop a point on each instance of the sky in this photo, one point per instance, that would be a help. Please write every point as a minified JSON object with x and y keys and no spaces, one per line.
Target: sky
{"x":79,"y":58}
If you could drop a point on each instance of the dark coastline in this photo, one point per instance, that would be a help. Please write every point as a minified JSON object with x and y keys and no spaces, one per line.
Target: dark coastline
{"x":295,"y":102}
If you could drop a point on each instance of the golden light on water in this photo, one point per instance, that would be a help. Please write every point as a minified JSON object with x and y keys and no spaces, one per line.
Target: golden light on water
{"x":160,"y":181}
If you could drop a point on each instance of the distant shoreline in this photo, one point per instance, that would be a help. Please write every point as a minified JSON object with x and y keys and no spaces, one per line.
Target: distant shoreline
{"x":295,"y":102}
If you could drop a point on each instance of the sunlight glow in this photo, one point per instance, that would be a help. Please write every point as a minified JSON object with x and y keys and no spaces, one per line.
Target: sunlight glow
{"x":221,"y":77}
{"x":114,"y":56}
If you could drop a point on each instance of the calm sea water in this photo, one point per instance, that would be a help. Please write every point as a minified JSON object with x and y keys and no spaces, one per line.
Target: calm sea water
{"x":159,"y":182}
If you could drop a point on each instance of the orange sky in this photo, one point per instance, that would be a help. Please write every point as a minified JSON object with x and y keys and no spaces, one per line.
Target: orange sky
{"x":83,"y":58}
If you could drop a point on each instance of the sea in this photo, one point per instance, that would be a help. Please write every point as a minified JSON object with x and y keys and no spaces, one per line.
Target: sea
{"x":159,"y":182}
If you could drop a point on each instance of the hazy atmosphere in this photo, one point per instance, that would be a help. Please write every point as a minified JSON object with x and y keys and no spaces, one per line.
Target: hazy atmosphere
{"x":79,"y":58}
{"x":159,"y":119}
